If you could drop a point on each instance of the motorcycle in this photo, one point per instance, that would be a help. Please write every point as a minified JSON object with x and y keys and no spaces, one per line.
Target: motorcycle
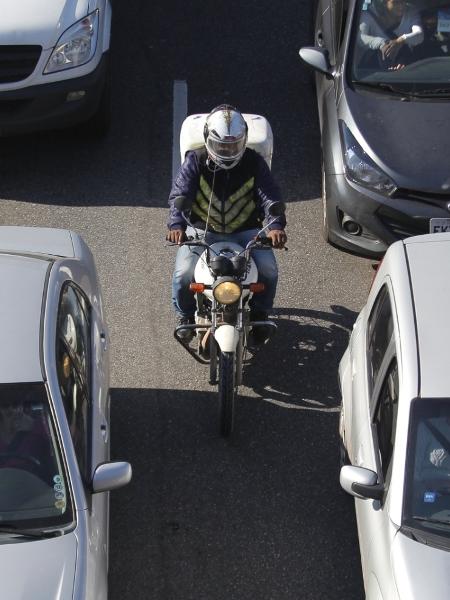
{"x":225,"y":278}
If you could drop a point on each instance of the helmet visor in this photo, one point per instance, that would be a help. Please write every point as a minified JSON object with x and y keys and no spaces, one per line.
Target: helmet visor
{"x":227,"y":150}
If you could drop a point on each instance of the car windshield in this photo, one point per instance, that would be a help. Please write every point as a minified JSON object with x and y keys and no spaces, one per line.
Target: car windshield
{"x":402,"y":46}
{"x":427,"y":488}
{"x":34,"y":490}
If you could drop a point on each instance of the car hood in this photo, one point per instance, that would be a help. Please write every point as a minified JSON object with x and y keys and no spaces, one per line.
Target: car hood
{"x":37,"y":21}
{"x":420,"y":571}
{"x":38,"y":570}
{"x":409,"y":140}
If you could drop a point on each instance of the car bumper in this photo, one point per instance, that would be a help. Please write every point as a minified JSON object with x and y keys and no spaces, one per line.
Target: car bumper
{"x":49,"y":106}
{"x":382,"y":220}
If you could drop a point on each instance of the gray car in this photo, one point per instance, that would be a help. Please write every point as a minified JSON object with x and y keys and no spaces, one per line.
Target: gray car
{"x":55,"y":472}
{"x":383,"y":94}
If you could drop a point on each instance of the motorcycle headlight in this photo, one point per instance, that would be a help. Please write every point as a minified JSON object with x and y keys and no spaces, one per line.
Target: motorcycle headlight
{"x":360,"y":168}
{"x":76,"y":46}
{"x":227,"y":292}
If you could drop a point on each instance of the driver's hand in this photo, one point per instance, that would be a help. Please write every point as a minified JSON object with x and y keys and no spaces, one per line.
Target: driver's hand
{"x":390,"y":49}
{"x":176,"y":236}
{"x":278,"y":237}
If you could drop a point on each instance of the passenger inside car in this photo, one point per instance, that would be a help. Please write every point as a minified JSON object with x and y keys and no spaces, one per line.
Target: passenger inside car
{"x":23,"y":440}
{"x":388,"y":31}
{"x":436,"y":29}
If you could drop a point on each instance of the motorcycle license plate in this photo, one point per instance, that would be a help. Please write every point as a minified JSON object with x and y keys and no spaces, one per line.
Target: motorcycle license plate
{"x":439,"y":225}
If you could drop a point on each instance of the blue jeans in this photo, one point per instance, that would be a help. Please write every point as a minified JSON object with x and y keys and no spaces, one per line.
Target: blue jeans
{"x":184,"y":300}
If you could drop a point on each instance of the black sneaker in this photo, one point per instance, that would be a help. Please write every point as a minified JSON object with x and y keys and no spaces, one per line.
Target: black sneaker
{"x":186,"y":334}
{"x":259,"y":333}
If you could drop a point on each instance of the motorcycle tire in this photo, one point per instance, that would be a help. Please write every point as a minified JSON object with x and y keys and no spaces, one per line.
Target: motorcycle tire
{"x":226,"y":392}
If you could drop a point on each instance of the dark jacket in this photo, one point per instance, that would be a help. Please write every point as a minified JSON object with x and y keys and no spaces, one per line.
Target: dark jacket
{"x":240,"y":197}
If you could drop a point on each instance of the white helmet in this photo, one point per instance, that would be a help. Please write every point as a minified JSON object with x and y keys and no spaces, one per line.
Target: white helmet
{"x":225,"y":136}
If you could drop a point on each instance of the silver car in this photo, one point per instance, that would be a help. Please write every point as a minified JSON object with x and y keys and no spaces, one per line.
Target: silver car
{"x":55,"y":472}
{"x":383,"y":93}
{"x":395,"y":423}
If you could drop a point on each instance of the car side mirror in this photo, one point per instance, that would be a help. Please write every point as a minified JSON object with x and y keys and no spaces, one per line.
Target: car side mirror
{"x":361,"y":483}
{"x":317,"y":58}
{"x":111,"y":476}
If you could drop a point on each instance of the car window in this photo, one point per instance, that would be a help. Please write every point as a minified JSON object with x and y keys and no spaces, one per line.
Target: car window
{"x":427,"y":486}
{"x":34,"y":490}
{"x":385,"y":420}
{"x":380,"y":330}
{"x":73,"y":368}
{"x":403,"y":44}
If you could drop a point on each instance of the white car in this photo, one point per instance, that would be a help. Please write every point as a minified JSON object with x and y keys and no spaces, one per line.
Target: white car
{"x":54,"y":64}
{"x":55,"y":472}
{"x":395,"y":423}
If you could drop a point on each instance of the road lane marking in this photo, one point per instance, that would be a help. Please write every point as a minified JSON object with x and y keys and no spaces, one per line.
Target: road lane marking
{"x":179,"y":114}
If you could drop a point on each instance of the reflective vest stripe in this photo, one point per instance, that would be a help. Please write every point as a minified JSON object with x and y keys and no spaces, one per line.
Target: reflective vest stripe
{"x":207,"y":191}
{"x":242,"y":216}
{"x":227,"y":216}
{"x":203,"y":214}
{"x":243,"y":190}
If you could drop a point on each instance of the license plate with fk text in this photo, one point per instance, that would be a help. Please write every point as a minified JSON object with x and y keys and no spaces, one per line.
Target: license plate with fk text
{"x":439,"y":225}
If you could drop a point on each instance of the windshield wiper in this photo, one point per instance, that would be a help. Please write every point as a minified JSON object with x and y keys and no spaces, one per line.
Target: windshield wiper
{"x":380,"y":85}
{"x":431,"y":520}
{"x":29,"y":533}
{"x":433,"y":93}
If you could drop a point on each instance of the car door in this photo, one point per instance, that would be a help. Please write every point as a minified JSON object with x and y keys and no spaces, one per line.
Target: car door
{"x":75,"y":362}
{"x":377,"y":441}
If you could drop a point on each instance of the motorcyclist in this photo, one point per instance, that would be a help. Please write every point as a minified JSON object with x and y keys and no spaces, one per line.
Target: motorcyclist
{"x":230,"y":189}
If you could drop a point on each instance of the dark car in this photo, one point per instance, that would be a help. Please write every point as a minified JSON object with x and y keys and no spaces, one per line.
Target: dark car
{"x":383,"y":91}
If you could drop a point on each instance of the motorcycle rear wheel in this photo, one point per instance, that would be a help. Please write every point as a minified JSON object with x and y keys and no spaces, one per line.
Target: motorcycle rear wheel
{"x":226,"y":392}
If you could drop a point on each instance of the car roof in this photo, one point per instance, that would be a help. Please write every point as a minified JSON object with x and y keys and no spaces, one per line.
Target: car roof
{"x":21,"y":297}
{"x":429,"y":265}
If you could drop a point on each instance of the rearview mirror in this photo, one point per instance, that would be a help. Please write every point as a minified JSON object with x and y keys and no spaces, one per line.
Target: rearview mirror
{"x":360,"y":482}
{"x":317,"y":58}
{"x":111,"y":476}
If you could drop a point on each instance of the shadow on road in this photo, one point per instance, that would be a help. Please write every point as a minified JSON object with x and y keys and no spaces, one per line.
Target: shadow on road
{"x":302,"y":358}
{"x":258,"y":516}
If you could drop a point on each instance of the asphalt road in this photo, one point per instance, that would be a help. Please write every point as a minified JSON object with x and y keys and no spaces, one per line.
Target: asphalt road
{"x":260,"y":516}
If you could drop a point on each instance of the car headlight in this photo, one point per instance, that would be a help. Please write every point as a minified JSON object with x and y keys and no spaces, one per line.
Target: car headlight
{"x":360,"y":168}
{"x":227,"y":292}
{"x":76,"y":46}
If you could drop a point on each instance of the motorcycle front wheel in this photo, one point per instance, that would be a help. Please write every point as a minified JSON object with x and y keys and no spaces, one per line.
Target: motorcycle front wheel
{"x":226,"y":392}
